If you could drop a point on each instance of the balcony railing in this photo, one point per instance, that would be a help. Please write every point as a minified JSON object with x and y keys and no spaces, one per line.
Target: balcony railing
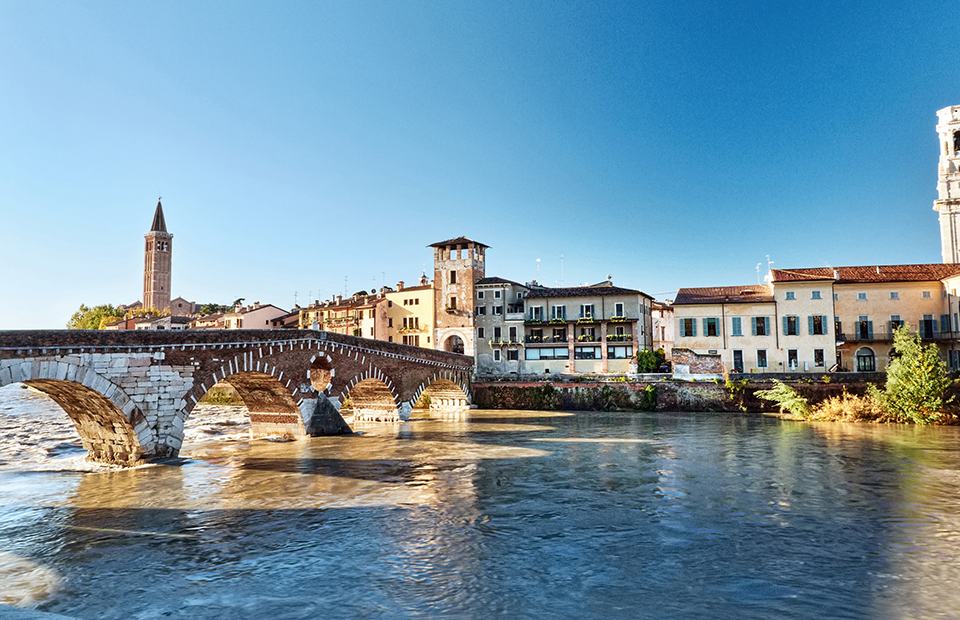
{"x":513,"y":316}
{"x":883,"y":335}
{"x":544,"y":339}
{"x":620,"y":337}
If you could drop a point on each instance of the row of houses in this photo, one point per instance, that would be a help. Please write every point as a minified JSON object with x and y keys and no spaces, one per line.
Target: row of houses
{"x":821,"y":319}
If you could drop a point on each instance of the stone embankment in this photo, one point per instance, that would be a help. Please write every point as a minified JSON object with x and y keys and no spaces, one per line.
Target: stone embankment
{"x":660,"y":394}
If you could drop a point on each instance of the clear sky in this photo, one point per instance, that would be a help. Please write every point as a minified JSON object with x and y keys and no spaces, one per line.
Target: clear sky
{"x":296,"y":144}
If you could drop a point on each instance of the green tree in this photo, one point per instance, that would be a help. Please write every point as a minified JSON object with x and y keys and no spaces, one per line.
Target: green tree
{"x":917,"y":380}
{"x":787,"y":398}
{"x":649,"y":361}
{"x":90,"y":318}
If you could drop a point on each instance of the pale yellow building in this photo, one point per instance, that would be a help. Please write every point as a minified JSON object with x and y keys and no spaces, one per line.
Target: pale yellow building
{"x":409,"y":315}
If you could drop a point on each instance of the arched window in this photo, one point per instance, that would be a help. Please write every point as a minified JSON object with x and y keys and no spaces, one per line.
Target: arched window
{"x":866,"y":360}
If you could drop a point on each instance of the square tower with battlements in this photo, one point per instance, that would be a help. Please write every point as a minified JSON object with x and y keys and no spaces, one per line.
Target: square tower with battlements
{"x":156,"y":264}
{"x":457,"y":265}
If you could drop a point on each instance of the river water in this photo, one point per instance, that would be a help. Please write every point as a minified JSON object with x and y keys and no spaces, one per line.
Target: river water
{"x":505,"y":514}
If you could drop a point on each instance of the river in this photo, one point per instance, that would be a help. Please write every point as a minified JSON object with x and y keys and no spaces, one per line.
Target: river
{"x":513,"y":514}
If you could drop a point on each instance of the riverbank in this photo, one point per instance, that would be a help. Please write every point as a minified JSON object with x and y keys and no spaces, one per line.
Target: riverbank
{"x":665,"y":394}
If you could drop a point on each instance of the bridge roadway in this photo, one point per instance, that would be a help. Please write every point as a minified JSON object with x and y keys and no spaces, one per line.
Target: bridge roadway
{"x":129,"y":393}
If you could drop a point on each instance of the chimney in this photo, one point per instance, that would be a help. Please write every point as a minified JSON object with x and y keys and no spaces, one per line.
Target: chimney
{"x":836,"y":274}
{"x":878,"y":269}
{"x":339,"y":299}
{"x":400,"y":285}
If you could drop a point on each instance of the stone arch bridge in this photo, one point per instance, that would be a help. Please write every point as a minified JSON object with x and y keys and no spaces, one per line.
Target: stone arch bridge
{"x":129,"y":393}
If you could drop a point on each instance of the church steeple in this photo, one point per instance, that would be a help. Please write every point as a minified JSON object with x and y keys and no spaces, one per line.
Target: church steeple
{"x":156,"y":263}
{"x":159,"y":225}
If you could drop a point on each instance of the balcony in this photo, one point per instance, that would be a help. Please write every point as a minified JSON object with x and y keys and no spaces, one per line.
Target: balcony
{"x":619,"y":337}
{"x":501,"y":342}
{"x":544,"y":339}
{"x":513,"y":316}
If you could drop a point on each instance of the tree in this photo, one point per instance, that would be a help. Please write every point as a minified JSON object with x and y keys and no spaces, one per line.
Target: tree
{"x":649,"y":361}
{"x":917,"y":380}
{"x":91,"y":318}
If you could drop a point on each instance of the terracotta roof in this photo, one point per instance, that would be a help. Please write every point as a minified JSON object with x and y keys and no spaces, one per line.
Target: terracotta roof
{"x":159,"y":225}
{"x":457,"y":241}
{"x":869,"y":273}
{"x":496,"y":280}
{"x":748,"y":293}
{"x":581,"y":291}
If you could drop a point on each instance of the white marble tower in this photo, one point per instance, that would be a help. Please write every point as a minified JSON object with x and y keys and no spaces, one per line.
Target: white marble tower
{"x":948,"y":183}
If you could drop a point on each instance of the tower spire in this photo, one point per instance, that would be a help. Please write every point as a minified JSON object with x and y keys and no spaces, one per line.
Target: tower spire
{"x":159,"y":225}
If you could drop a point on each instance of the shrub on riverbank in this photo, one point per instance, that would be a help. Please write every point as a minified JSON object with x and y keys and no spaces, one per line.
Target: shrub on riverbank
{"x":917,"y":382}
{"x":222,"y":394}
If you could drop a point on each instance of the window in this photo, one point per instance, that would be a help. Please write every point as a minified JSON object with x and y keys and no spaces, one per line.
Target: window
{"x":480,"y":333}
{"x":586,"y":353}
{"x":536,"y":313}
{"x":944,"y":323}
{"x":761,"y":358}
{"x":925,"y":295}
{"x":536,"y":335}
{"x":791,"y":326}
{"x":736,"y":327}
{"x":761,"y":325}
{"x":453,"y":277}
{"x":588,"y":334}
{"x":390,"y":339}
{"x":688,"y":327}
{"x":894,"y":294}
{"x":817,"y":325}
{"x":560,"y":335}
{"x":513,"y":355}
{"x":836,"y":297}
{"x":497,"y":333}
{"x":372,"y":315}
{"x":928,"y":327}
{"x":864,"y":328}
{"x":558,"y":312}
{"x":481,"y":310}
{"x":416,"y":302}
{"x":453,"y":303}
{"x":586,"y":311}
{"x":479,"y":294}
{"x":496,"y":355}
{"x":710,"y":327}
{"x":497,"y":310}
{"x":519,"y":294}
{"x":496,"y":294}
{"x":791,"y":295}
{"x":895,"y":322}
{"x":818,"y":358}
{"x":618,"y":309}
{"x":737,"y":361}
{"x":793,"y":360}
{"x":619,"y":353}
{"x":861,"y":297}
{"x":389,"y":322}
{"x":815,"y":295}
{"x":558,"y":353}
{"x":866,"y":362}
{"x":513,"y":334}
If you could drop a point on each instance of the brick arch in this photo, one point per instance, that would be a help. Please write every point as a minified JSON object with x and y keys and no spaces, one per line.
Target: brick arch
{"x":373,"y":399}
{"x":111,"y":427}
{"x":447,"y":391}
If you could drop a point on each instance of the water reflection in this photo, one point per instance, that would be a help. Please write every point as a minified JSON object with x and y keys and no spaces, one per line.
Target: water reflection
{"x":506,"y":514}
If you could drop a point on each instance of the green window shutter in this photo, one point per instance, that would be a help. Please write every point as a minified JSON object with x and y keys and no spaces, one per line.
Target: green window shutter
{"x":693,"y":325}
{"x":766,"y":326}
{"x":826,"y":326}
{"x":706,"y":331}
{"x":870,"y":330}
{"x":944,"y":323}
{"x":753,"y":324}
{"x":736,"y":326}
{"x":683,"y":328}
{"x":810,"y":324}
{"x":786,"y":325}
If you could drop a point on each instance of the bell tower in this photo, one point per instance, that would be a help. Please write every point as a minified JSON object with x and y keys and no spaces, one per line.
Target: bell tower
{"x":948,"y":183}
{"x":156,"y":264}
{"x":457,"y":265}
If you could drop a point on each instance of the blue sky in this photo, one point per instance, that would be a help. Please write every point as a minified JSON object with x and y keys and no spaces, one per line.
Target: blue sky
{"x":298,"y":144}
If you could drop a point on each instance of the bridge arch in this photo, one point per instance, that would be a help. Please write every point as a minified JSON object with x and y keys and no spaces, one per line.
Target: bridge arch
{"x":446,"y":393}
{"x":373,"y":400}
{"x":111,"y":427}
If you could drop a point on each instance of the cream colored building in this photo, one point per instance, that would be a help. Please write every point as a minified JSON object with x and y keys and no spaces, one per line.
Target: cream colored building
{"x":821,"y":319}
{"x":410,"y":315}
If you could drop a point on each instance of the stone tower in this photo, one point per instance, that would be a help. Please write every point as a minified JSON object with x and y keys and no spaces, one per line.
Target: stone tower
{"x":156,"y":264}
{"x":948,"y":183}
{"x":457,"y":265}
